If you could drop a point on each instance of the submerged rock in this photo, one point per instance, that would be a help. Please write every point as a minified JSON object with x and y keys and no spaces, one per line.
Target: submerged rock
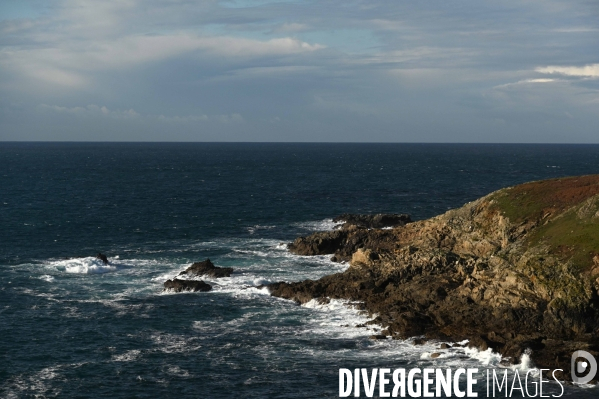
{"x":186,"y":285}
{"x":207,"y":268}
{"x":514,"y":271}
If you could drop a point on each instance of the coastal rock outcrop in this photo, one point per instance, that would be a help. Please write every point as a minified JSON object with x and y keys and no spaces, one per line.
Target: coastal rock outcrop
{"x":177,"y":285}
{"x":378,"y":221}
{"x":356,"y":231}
{"x":197,"y":269}
{"x":207,"y":268}
{"x":515,"y":271}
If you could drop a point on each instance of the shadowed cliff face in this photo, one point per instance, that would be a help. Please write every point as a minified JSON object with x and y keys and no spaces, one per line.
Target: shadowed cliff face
{"x":515,"y":270}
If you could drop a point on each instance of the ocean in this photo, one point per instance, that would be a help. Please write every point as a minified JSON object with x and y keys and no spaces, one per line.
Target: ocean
{"x":73,"y":327}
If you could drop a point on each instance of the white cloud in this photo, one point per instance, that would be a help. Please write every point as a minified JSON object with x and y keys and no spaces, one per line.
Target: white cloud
{"x":527,"y":81}
{"x":91,"y":110}
{"x":587,"y":71}
{"x":70,"y":64}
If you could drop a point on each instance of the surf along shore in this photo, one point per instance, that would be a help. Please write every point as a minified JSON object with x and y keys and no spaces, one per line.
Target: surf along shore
{"x":516,"y":271}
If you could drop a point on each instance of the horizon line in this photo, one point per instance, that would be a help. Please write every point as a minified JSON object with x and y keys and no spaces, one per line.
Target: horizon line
{"x":284,"y":142}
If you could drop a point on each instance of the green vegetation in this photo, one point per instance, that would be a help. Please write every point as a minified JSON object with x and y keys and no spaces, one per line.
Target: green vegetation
{"x":567,"y":221}
{"x":569,"y":238}
{"x":540,"y":199}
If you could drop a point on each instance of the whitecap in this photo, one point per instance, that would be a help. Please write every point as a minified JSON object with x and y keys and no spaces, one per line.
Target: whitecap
{"x":88,"y":265}
{"x":318,"y":225}
{"x":47,"y":278}
{"x":128,"y":356}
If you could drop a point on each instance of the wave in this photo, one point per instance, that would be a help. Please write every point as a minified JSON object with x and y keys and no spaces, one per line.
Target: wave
{"x":88,"y":265}
{"x":317,"y":225}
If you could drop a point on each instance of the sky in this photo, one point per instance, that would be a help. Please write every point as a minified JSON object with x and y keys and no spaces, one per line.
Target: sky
{"x":510,"y":71}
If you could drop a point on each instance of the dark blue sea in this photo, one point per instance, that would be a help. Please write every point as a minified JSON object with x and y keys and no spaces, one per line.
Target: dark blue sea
{"x":72,"y":327}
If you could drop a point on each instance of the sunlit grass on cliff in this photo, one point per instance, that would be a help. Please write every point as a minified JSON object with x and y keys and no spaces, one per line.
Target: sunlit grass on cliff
{"x":562,"y":214}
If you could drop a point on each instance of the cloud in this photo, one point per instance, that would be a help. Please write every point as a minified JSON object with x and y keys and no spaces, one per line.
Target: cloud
{"x":230,"y":118}
{"x":293,"y":27}
{"x":93,"y":110}
{"x":72,"y":64}
{"x":527,"y":81}
{"x":331,"y":70}
{"x":587,"y":71}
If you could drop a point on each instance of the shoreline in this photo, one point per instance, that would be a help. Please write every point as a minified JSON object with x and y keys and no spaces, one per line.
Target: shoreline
{"x":492,"y":272}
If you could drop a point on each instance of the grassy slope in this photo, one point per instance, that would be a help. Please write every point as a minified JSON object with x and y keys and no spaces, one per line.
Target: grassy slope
{"x":567,"y":232}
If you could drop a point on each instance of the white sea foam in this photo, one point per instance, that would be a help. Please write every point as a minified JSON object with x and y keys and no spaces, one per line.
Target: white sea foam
{"x":486,"y":357}
{"x":340,"y":317}
{"x":47,"y":277}
{"x":525,"y":364}
{"x":253,"y":229}
{"x":174,"y":343}
{"x":176,"y":371}
{"x":256,"y":262}
{"x":128,"y":356}
{"x":318,"y":225}
{"x":88,"y":265}
{"x":38,"y":383}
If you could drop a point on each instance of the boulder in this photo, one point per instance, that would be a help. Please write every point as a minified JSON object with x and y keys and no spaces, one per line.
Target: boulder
{"x":177,"y":285}
{"x":207,"y":268}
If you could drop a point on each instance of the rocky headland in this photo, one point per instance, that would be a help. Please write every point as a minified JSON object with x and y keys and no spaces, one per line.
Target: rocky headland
{"x":515,"y":271}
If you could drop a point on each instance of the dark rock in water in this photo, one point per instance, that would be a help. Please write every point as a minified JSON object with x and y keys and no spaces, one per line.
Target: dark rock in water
{"x":516,"y":271}
{"x":186,"y":285}
{"x":435,"y":355}
{"x":444,"y":346}
{"x":102,"y":257}
{"x":342,"y":243}
{"x":353,"y":234}
{"x":320,"y":243}
{"x":207,"y":268}
{"x":377,"y":221}
{"x":378,"y":336}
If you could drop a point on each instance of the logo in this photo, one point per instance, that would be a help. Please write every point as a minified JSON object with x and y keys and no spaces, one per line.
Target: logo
{"x":579,"y":367}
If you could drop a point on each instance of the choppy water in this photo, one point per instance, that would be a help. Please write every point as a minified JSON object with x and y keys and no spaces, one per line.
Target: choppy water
{"x":78,"y":328}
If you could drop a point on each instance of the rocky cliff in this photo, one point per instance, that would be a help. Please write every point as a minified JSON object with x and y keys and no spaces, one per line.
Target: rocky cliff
{"x":515,"y":270}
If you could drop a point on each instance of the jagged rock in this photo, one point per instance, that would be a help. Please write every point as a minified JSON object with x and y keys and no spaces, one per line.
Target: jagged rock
{"x":186,"y":285}
{"x":354,"y":233}
{"x":514,"y":271}
{"x":342,"y":243}
{"x":377,"y":221}
{"x":102,"y":257}
{"x":207,"y":268}
{"x":378,"y":336}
